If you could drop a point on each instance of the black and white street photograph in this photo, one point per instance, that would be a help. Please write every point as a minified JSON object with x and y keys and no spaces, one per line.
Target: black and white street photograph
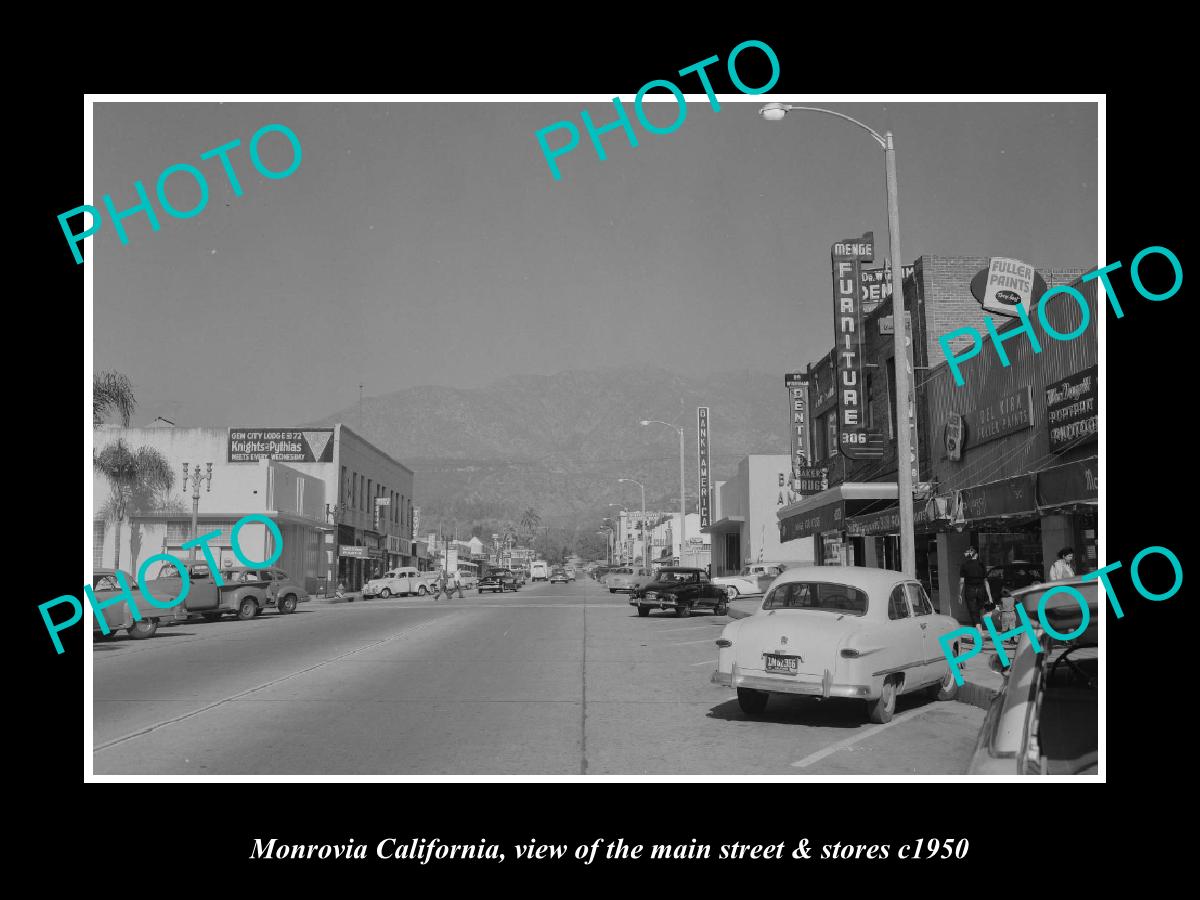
{"x":702,"y":432}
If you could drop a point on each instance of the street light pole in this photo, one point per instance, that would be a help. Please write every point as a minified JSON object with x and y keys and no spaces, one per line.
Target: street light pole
{"x":645,"y":549}
{"x":195,"y":504}
{"x":773,"y":112}
{"x":682,"y":488}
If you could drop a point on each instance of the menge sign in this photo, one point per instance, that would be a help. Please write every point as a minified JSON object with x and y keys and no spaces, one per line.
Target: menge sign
{"x":856,"y":443}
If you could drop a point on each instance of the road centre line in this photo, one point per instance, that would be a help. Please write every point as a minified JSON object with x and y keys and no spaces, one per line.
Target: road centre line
{"x":850,"y":741}
{"x":406,"y":632}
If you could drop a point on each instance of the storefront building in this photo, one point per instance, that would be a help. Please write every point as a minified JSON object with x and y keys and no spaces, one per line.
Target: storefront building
{"x":744,"y":528}
{"x":1014,"y":450}
{"x":352,"y":501}
{"x":855,"y":519}
{"x":162,"y":522}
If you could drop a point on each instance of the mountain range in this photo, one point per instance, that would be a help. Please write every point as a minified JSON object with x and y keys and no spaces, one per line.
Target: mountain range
{"x":558,"y":443}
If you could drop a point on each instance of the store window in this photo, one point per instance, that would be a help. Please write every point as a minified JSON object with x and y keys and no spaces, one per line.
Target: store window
{"x":98,"y":544}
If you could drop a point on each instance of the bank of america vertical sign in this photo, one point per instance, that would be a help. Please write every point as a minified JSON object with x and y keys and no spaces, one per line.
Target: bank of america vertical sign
{"x":702,"y":461}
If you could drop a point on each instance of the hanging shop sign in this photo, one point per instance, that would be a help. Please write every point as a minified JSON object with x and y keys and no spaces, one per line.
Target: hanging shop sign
{"x":811,"y":480}
{"x":826,"y":518}
{"x":1006,"y":284}
{"x":952,"y":436}
{"x":876,"y":284}
{"x":846,"y":256}
{"x":1011,"y":413}
{"x":797,"y":385}
{"x":280,"y":444}
{"x":703,"y":461}
{"x":1071,"y":410}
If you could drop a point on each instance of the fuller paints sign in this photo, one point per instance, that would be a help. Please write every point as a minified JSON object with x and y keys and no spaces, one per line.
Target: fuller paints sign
{"x":281,"y":444}
{"x":847,"y":311}
{"x":1006,"y":284}
{"x":1071,"y":409}
{"x":702,"y":465}
{"x":797,"y":385}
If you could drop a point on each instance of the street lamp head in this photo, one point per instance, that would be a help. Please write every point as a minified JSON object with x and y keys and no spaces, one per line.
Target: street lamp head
{"x":645,"y":421}
{"x":773,"y":112}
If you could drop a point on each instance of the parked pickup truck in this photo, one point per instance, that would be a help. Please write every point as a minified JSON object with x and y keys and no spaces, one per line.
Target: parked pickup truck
{"x":400,"y":582}
{"x":242,"y":596}
{"x":118,"y":616}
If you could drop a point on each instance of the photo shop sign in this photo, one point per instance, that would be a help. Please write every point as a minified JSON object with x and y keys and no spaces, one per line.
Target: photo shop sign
{"x":1071,"y":410}
{"x":846,"y":257}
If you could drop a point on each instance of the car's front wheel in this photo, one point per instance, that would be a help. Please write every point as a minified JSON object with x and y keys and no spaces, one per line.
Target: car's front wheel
{"x":882,"y":710}
{"x":752,"y":701}
{"x":143,"y":629}
{"x":385,"y":593}
{"x":721,"y":608}
{"x":643,"y":611}
{"x":612,"y":590}
{"x":287,"y":604}
{"x":422,"y":591}
{"x":731,"y":593}
{"x":248,"y":609}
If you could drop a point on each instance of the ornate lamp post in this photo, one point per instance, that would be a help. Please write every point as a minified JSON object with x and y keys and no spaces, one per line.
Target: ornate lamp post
{"x":196,"y":478}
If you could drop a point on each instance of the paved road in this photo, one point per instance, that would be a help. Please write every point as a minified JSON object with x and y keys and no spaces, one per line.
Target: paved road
{"x":551,"y":680}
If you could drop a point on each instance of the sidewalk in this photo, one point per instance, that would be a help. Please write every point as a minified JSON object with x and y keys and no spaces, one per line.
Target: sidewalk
{"x":980,"y":683}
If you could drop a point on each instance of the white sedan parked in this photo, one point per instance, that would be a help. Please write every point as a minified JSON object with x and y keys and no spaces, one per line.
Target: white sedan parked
{"x":838,"y":631}
{"x":751,"y":581}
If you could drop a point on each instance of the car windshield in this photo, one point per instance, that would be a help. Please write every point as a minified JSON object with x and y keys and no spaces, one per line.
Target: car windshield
{"x":840,"y":598}
{"x":679,"y":576}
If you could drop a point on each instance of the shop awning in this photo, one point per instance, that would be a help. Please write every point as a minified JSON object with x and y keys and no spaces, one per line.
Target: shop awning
{"x":729,"y":523}
{"x":1070,"y":484}
{"x":827,"y":510}
{"x":887,"y":521}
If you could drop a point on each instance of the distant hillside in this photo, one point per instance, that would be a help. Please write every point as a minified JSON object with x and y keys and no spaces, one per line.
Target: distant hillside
{"x":559,"y":443}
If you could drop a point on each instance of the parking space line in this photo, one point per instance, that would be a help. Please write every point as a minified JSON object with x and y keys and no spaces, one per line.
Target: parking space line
{"x":687,"y":643}
{"x":850,"y":741}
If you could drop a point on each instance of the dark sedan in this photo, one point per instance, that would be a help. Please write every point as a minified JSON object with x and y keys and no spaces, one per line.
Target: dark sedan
{"x":682,"y":590}
{"x":497,"y":583}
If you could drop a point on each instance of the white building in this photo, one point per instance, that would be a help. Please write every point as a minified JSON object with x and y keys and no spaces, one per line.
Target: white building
{"x":745,"y":528}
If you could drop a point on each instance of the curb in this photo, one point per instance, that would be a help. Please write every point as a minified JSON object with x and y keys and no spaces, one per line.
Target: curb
{"x":972,"y":693}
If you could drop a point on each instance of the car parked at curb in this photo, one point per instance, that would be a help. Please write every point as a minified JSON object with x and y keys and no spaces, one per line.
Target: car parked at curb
{"x":1045,"y":719}
{"x":281,"y":591}
{"x":682,"y":590}
{"x":400,"y":582}
{"x":752,"y":581}
{"x":838,"y":632}
{"x":206,"y":599}
{"x":119,"y":617}
{"x":627,"y":579}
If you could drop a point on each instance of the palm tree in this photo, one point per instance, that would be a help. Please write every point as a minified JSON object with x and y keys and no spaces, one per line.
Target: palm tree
{"x":530,"y":520}
{"x":112,"y":392}
{"x":135,"y":478}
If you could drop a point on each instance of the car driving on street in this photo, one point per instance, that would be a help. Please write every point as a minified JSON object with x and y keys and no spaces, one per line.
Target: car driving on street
{"x":838,"y":631}
{"x":627,"y":579}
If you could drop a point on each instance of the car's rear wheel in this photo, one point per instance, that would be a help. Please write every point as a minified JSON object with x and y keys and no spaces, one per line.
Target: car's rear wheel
{"x":287,"y":604}
{"x":946,"y":689}
{"x":643,"y":611}
{"x":752,"y":701}
{"x":422,"y":590}
{"x":143,"y":629}
{"x":683,"y":610}
{"x":612,"y":590}
{"x":385,"y":593}
{"x":248,"y":609}
{"x":882,"y":710}
{"x":721,"y":608}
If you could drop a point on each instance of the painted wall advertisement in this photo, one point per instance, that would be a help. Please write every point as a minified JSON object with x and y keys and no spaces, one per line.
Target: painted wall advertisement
{"x":281,"y":444}
{"x":797,"y":385}
{"x":847,"y":256}
{"x":876,"y":284}
{"x":1071,"y":410}
{"x":702,"y":465}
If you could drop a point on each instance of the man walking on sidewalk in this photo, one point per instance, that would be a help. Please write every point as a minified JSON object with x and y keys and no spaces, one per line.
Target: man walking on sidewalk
{"x":973,"y":587}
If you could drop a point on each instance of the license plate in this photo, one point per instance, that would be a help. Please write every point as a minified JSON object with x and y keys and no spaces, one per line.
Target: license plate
{"x":784,"y":665}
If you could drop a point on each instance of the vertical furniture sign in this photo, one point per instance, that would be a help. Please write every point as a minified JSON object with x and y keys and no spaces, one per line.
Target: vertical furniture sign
{"x":797,"y":386}
{"x":847,"y":256}
{"x":702,"y":459}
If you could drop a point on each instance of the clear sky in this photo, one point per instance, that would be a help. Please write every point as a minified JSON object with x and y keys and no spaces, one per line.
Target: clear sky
{"x":426,"y":243}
